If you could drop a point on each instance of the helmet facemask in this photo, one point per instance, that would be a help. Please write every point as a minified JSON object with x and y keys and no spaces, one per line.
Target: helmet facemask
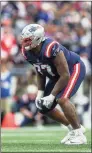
{"x":26,"y":43}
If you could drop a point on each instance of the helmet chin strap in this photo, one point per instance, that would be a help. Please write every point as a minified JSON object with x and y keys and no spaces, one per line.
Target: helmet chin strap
{"x":27,"y":48}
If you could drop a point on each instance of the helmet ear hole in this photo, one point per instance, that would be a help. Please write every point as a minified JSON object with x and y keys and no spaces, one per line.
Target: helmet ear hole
{"x":37,"y":39}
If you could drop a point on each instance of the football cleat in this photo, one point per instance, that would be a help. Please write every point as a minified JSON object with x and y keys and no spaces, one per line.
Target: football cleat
{"x":76,"y":138}
{"x":66,"y":138}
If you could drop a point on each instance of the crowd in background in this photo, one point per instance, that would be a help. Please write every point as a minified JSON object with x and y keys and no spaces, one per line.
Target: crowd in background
{"x":67,"y":22}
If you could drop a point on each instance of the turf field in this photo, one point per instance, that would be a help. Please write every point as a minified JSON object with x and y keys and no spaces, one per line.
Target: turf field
{"x":43,"y":140}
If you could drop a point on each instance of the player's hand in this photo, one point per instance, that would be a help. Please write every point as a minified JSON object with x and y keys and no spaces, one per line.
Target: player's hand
{"x":48,"y":101}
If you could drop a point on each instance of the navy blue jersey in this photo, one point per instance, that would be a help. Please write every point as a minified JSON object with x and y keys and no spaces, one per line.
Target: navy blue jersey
{"x":44,"y":61}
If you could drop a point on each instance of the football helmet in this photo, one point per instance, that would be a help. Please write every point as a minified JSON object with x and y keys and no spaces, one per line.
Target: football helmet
{"x":32,"y":35}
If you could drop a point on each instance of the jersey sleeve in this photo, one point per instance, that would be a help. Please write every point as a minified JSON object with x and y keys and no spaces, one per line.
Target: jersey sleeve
{"x":52,"y":49}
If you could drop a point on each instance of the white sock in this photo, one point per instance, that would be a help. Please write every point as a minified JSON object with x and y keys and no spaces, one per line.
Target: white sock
{"x":70,"y":128}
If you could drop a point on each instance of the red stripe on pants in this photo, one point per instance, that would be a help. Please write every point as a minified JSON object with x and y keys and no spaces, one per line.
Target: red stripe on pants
{"x":72,"y":81}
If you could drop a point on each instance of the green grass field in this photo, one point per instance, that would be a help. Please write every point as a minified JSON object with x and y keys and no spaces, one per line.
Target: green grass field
{"x":34,"y":140}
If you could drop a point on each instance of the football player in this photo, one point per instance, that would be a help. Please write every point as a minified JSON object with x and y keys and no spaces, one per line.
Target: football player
{"x":65,"y":71}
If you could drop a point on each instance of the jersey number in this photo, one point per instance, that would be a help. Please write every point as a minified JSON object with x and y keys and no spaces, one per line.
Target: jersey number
{"x":40,"y":69}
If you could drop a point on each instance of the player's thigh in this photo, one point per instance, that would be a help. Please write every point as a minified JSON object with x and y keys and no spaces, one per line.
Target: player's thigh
{"x":76,"y":78}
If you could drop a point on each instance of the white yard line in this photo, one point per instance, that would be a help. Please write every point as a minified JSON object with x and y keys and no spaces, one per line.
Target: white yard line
{"x":57,"y":150}
{"x":27,"y":141}
{"x":25,"y":134}
{"x":32,"y":129}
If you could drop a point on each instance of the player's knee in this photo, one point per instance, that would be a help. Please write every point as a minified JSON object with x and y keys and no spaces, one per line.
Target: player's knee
{"x":62,"y":101}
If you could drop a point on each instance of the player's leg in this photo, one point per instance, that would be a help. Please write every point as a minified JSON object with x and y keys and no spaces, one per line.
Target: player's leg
{"x":54,"y":114}
{"x":70,"y":112}
{"x":68,"y":108}
{"x":58,"y":116}
{"x":77,"y":76}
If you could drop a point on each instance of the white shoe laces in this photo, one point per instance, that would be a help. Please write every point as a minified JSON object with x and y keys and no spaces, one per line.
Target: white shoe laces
{"x":70,"y":134}
{"x":73,"y":134}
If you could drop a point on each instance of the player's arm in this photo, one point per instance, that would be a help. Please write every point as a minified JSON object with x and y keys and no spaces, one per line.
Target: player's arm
{"x":62,"y":69}
{"x":41,"y":81}
{"x":41,"y":85}
{"x":58,"y":58}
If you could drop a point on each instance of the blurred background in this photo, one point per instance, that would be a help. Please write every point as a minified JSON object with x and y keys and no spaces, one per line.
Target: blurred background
{"x":67,"y":22}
